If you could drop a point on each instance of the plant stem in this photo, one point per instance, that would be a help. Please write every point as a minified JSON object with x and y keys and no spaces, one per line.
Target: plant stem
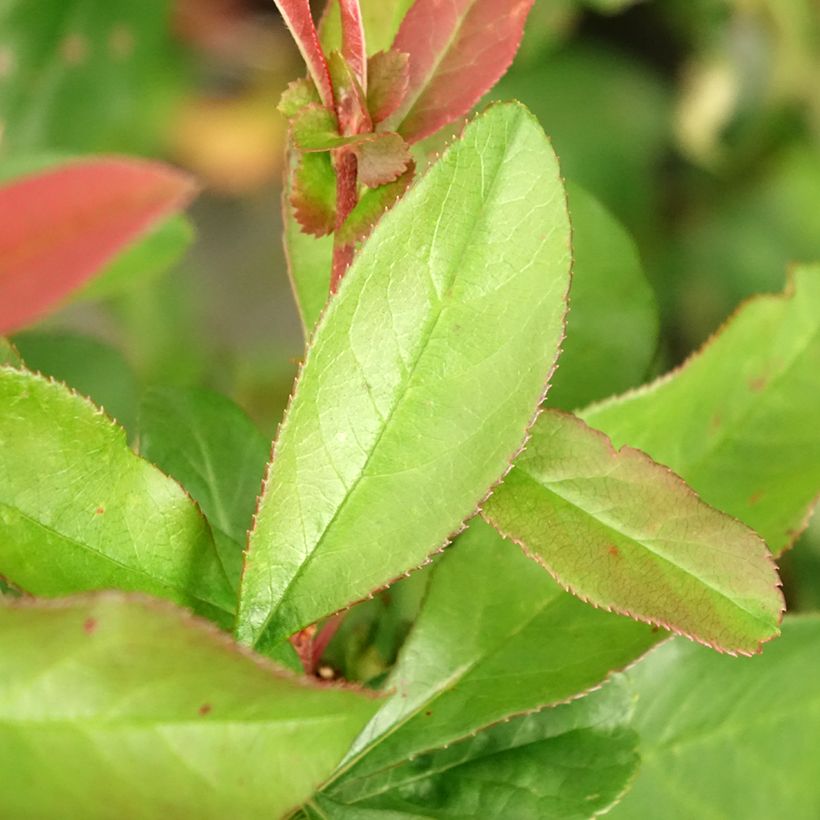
{"x":347,"y":196}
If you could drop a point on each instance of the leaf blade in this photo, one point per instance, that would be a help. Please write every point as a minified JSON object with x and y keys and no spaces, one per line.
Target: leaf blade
{"x":141,"y":708}
{"x":473,"y":41}
{"x":384,"y":378}
{"x":626,"y":534}
{"x":737,"y":421}
{"x":44,"y":255}
{"x":94,"y":515}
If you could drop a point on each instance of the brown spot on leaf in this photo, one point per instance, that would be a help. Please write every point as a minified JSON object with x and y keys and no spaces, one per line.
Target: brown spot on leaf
{"x":74,"y":49}
{"x":758,"y":384}
{"x":613,"y":551}
{"x":205,"y":709}
{"x":100,"y":510}
{"x":754,"y":498}
{"x":428,"y":714}
{"x":121,"y":42}
{"x":90,"y":626}
{"x":717,"y":421}
{"x":7,"y":62}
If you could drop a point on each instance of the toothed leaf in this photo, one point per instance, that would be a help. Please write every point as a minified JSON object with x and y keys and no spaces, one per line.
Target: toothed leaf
{"x":380,"y":457}
{"x":298,"y":96}
{"x":569,"y":761}
{"x":8,"y":354}
{"x":213,"y":449}
{"x":739,"y":420}
{"x":117,"y":705}
{"x":728,"y":737}
{"x":312,"y":194}
{"x":382,"y":160}
{"x":626,"y":534}
{"x":458,"y":51}
{"x":388,"y":79}
{"x":62,"y":226}
{"x":93,"y":515}
{"x":496,"y":637}
{"x":315,"y":129}
{"x":372,"y":206}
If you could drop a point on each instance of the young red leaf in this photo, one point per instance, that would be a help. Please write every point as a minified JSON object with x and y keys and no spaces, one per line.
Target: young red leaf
{"x":313,"y":193}
{"x":62,"y":226}
{"x":297,"y":16}
{"x":353,"y":44}
{"x":388,"y":78}
{"x":458,"y":50}
{"x":382,"y":160}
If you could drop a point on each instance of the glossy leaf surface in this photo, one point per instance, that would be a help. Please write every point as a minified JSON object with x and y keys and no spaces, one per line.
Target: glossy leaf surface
{"x":627,"y":534}
{"x":739,"y":419}
{"x":381,"y":19}
{"x":726,"y":737}
{"x":380,"y":458}
{"x":569,"y":761}
{"x":214,"y":450}
{"x":63,"y":225}
{"x":612,"y":327}
{"x":496,"y":637}
{"x":458,"y":51}
{"x":123,"y":706}
{"x":79,"y":511}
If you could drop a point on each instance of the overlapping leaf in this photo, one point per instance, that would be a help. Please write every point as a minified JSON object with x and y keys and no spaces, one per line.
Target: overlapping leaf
{"x":496,"y":637}
{"x":612,"y":327}
{"x":739,"y":420}
{"x":61,"y":226}
{"x":381,"y":19}
{"x":214,"y":450}
{"x":627,"y":534}
{"x":458,"y":51}
{"x":79,"y":511}
{"x":380,"y":456}
{"x":121,"y":706}
{"x":722,"y":737}
{"x":570,"y":761}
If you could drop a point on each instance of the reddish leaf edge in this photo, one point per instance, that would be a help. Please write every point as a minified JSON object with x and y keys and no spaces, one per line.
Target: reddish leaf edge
{"x":527,"y":433}
{"x":627,"y":450}
{"x":787,"y":294}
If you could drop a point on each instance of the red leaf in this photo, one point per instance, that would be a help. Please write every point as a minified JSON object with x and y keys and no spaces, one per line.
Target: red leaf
{"x":297,"y":16}
{"x":389,"y":76}
{"x":458,"y":50}
{"x":353,"y":44}
{"x":62,"y":226}
{"x":382,"y":159}
{"x":313,"y":193}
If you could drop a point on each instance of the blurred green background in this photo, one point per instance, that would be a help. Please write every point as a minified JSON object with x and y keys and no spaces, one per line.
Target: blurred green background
{"x":695,"y":122}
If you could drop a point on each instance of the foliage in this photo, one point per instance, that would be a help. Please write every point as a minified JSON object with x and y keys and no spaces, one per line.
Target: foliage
{"x":447,"y":588}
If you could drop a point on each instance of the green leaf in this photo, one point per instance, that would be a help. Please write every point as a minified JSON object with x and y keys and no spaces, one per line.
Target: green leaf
{"x":570,"y":761}
{"x":118,"y":705}
{"x":92,"y":368}
{"x":144,"y":260}
{"x":214,"y":450}
{"x":79,"y":511}
{"x":72,"y":64}
{"x":297,"y":96}
{"x":612,"y":327}
{"x":9,"y":354}
{"x":739,"y":420}
{"x":459,"y":292}
{"x":496,"y":637}
{"x":728,"y":738}
{"x":311,"y":195}
{"x":625,"y":533}
{"x":381,"y":19}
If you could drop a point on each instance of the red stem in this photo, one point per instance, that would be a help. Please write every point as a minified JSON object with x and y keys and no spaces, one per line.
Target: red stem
{"x":347,"y":196}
